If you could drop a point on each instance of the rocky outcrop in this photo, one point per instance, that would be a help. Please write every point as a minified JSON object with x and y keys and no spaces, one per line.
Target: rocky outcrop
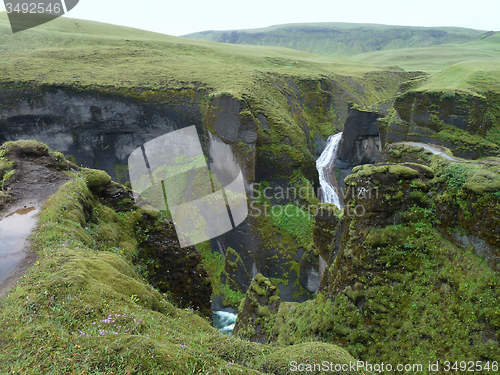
{"x":466,"y":112}
{"x":176,"y":271}
{"x":390,"y":253}
{"x":255,"y":310}
{"x":360,"y":142}
{"x":464,"y":199}
{"x":272,"y":143}
{"x":360,"y":132}
{"x":456,"y":120}
{"x":94,"y":129}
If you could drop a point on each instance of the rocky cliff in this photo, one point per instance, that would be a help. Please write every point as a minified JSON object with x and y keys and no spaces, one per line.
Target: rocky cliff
{"x":411,"y":262}
{"x":464,"y":122}
{"x":274,"y":145}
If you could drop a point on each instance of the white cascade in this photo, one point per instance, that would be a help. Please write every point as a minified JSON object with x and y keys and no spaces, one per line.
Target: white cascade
{"x":224,"y":321}
{"x":324,"y":164}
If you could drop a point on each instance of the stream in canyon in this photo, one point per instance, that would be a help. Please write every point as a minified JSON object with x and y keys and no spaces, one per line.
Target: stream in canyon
{"x":224,"y":321}
{"x":329,"y":192}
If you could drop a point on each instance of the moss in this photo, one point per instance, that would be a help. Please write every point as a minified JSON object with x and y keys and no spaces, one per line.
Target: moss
{"x":407,"y":171}
{"x":375,"y":295}
{"x":7,"y":170}
{"x":90,"y":310}
{"x":469,"y":144}
{"x":403,"y":172}
{"x":96,"y":178}
{"x":24,"y":148}
{"x":385,"y":236}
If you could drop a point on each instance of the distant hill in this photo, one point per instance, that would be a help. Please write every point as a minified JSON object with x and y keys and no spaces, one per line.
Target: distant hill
{"x":77,"y":51}
{"x":436,"y":58}
{"x":343,"y":39}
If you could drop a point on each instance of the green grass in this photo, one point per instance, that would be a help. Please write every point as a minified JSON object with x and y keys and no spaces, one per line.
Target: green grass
{"x":74,"y":51}
{"x":294,"y":221}
{"x":411,"y":48}
{"x":342,"y":39}
{"x":432,"y":59}
{"x":405,"y":292}
{"x":81,"y":308}
{"x":471,"y":76}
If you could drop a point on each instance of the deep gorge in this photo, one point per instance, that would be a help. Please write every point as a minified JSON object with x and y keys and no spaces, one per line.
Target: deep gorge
{"x":292,"y":259}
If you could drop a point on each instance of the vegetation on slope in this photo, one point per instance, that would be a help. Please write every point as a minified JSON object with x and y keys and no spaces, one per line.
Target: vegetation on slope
{"x":83,"y":308}
{"x":435,"y":58}
{"x":74,"y":51}
{"x":410,"y":48}
{"x":342,"y":39}
{"x":404,"y":284}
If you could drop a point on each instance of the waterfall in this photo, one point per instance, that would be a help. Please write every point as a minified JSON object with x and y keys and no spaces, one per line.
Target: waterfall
{"x":324,"y":164}
{"x":224,"y":321}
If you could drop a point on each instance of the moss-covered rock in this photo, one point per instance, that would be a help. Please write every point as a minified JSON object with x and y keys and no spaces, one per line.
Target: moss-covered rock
{"x":326,"y":220}
{"x":176,"y":271}
{"x":255,"y":310}
{"x":411,"y":233}
{"x":29,"y":148}
{"x":378,"y":194}
{"x":96,"y":179}
{"x":468,"y":201}
{"x":465,"y":122}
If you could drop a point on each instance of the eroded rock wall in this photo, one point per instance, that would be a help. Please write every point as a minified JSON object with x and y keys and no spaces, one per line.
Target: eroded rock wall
{"x":274,"y":141}
{"x":463,"y":122}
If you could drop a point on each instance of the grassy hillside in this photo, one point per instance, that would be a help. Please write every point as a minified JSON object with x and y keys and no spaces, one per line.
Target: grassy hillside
{"x":342,"y":39}
{"x":472,"y":76}
{"x":66,"y":50}
{"x":411,"y":48}
{"x":435,"y":58}
{"x":83,"y":307}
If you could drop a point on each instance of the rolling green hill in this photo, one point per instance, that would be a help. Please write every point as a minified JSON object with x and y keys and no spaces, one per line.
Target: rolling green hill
{"x":436,"y":58}
{"x":67,"y":50}
{"x":410,"y":48}
{"x":342,"y":39}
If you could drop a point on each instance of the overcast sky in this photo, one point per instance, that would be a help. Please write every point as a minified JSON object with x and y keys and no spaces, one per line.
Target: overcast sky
{"x":187,"y":16}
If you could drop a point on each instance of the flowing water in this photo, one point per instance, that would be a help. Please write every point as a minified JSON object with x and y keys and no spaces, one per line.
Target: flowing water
{"x":224,"y":321}
{"x":324,"y":164}
{"x":14,"y":230}
{"x":434,"y":149}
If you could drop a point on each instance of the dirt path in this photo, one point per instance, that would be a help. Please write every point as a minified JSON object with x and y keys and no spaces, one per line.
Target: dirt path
{"x":33,"y":183}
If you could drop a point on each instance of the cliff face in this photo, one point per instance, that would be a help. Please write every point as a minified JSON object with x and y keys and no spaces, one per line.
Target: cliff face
{"x":94,"y":128}
{"x":411,"y":263}
{"x":275,"y":143}
{"x":360,"y":142}
{"x":464,"y":122}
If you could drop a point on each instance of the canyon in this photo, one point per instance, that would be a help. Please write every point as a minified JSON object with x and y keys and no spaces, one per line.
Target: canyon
{"x":395,"y":259}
